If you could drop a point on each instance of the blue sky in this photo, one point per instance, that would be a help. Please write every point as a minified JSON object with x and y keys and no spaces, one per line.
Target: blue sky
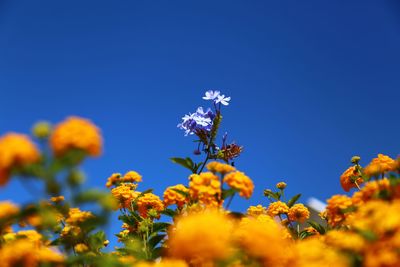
{"x":312,"y":83}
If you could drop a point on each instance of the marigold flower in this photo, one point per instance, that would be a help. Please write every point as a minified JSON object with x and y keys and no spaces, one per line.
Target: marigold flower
{"x":113,"y":179}
{"x":350,"y":178}
{"x":76,"y":133}
{"x":171,"y":196}
{"x":7,"y":209}
{"x":277,"y":208}
{"x":256,"y":210}
{"x":76,"y":216}
{"x":206,"y":188}
{"x":238,"y":180}
{"x":15,"y":150}
{"x":345,"y":240}
{"x":81,"y":248}
{"x":379,"y":165}
{"x":131,"y":177}
{"x":57,"y":199}
{"x":148,"y":202}
{"x":219,"y":167}
{"x":298,"y":213}
{"x":371,"y":190}
{"x":337,"y":204}
{"x":125,"y":194}
{"x":205,"y":235}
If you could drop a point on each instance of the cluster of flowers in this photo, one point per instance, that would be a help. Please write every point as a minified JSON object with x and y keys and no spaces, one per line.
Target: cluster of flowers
{"x":191,"y":224}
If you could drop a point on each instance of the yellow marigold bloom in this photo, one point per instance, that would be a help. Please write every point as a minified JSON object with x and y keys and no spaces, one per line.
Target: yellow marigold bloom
{"x":113,"y":179}
{"x":281,"y":185}
{"x":277,"y":208}
{"x":175,"y":197}
{"x":256,"y":210}
{"x":312,"y":252}
{"x":57,"y":199}
{"x":298,"y":213}
{"x":76,"y":133}
{"x":7,"y":209}
{"x":347,"y":179}
{"x":165,"y":262}
{"x":253,"y":235}
{"x":15,"y":150}
{"x":71,"y":230}
{"x":345,"y":240}
{"x":32,"y":235}
{"x":201,"y":236}
{"x":334,"y":210}
{"x":381,"y":254}
{"x":148,"y":202}
{"x":24,"y":253}
{"x":219,"y":167}
{"x":379,"y":165}
{"x":76,"y":216}
{"x":370,"y":191}
{"x":131,"y":177}
{"x":238,"y":180}
{"x":206,"y":188}
{"x":125,"y":194}
{"x":81,"y":248}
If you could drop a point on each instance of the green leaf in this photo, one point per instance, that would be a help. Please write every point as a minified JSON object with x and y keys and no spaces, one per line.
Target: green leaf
{"x":184,"y":162}
{"x":317,"y":227}
{"x":368,"y":235}
{"x":96,"y":241}
{"x":293,"y":200}
{"x":229,"y":192}
{"x":155,"y":240}
{"x":160,"y":227}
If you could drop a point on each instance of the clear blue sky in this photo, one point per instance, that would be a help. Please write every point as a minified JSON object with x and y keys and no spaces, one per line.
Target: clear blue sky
{"x":312,"y":82}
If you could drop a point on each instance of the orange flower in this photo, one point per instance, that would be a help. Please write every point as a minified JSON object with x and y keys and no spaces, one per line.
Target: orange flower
{"x":335,"y":210}
{"x":15,"y":150}
{"x":76,"y":133}
{"x":219,"y":167}
{"x":379,"y":165}
{"x":371,"y":190}
{"x":171,"y":196}
{"x":238,"y":180}
{"x":277,"y":208}
{"x":298,"y":213}
{"x":349,"y":179}
{"x":206,"y":188}
{"x":148,"y":202}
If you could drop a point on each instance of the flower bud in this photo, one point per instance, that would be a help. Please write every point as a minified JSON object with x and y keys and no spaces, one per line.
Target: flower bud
{"x":355,"y":159}
{"x":76,"y":178}
{"x":41,"y":129}
{"x":281,"y":185}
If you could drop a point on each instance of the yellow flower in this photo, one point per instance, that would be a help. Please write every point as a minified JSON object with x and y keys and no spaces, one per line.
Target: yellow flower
{"x":349,"y":179}
{"x":345,"y":240}
{"x":148,"y":202}
{"x":379,"y":165}
{"x":201,"y":236}
{"x":256,"y":210}
{"x":370,"y":191}
{"x":337,"y":204}
{"x":125,"y":194}
{"x":15,"y":150}
{"x":32,"y":235}
{"x":298,"y":213}
{"x":81,"y":247}
{"x":76,"y":216}
{"x":219,"y":167}
{"x":8,"y":209}
{"x":206,"y":188}
{"x":238,"y":180}
{"x":277,"y":208}
{"x":254,"y":234}
{"x":174,"y":197}
{"x":131,"y":176}
{"x":113,"y":179}
{"x":76,"y":133}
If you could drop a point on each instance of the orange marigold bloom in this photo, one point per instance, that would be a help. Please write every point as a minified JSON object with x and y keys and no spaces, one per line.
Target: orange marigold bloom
{"x":15,"y":150}
{"x":201,"y":236}
{"x":131,"y":177}
{"x":219,"y":167}
{"x":148,"y":202}
{"x":379,"y":165}
{"x":206,"y":188}
{"x":171,"y":196}
{"x":7,"y":209}
{"x":256,"y":210}
{"x":76,"y":133}
{"x":113,"y":179}
{"x":335,"y":209}
{"x":298,"y":213}
{"x":125,"y":194}
{"x":277,"y":208}
{"x":238,"y":180}
{"x":75,"y":216}
{"x":57,"y":199}
{"x":349,"y":179}
{"x":370,"y":191}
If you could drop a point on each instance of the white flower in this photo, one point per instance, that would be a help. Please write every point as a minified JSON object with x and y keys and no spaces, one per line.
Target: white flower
{"x":211,"y":95}
{"x":223,"y":100}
